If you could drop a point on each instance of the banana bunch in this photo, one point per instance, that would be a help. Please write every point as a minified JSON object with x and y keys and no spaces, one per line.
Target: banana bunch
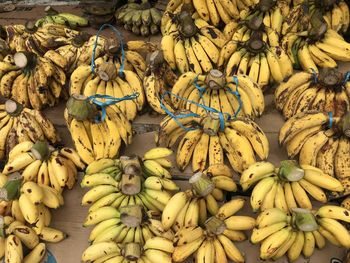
{"x":288,"y":186}
{"x":203,"y":141}
{"x":191,"y":207}
{"x":142,"y":19}
{"x":191,"y":44}
{"x":281,"y":234}
{"x":214,"y":12}
{"x":41,"y":163}
{"x":334,"y":13}
{"x":19,"y":124}
{"x":127,"y":224}
{"x":304,"y":91}
{"x":95,"y":137}
{"x":319,"y":143}
{"x":309,"y":50}
{"x":79,"y":49}
{"x":33,"y":81}
{"x":256,"y":57}
{"x":155,"y":249}
{"x":30,"y":38}
{"x":21,"y":243}
{"x":224,"y":94}
{"x":214,"y":242}
{"x":67,"y":19}
{"x":127,"y":181}
{"x":158,"y":80}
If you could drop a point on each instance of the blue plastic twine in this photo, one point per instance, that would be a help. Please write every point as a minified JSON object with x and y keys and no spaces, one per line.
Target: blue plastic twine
{"x":109,"y":101}
{"x":314,"y":76}
{"x":208,"y":109}
{"x":330,"y":123}
{"x":238,"y":96}
{"x":120,"y":37}
{"x":346,"y":77}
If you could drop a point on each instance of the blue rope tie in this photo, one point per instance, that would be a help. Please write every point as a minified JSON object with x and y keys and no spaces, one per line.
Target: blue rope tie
{"x":208,"y":109}
{"x":120,"y":37}
{"x":238,"y":96}
{"x":109,"y":101}
{"x":314,"y":76}
{"x":330,"y":123}
{"x":346,"y":77}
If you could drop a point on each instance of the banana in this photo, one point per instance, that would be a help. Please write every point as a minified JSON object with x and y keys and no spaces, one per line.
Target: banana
{"x":173,"y":207}
{"x":259,"y":234}
{"x":27,"y":236}
{"x":14,"y":250}
{"x":337,"y":229}
{"x":167,"y":46}
{"x":334,"y":212}
{"x":29,"y":210}
{"x":319,"y":239}
{"x":316,"y":192}
{"x":231,"y":250}
{"x":301,"y":196}
{"x":159,"y":243}
{"x":256,"y":172}
{"x":96,"y":251}
{"x":271,"y":216}
{"x":297,"y":247}
{"x":313,"y":176}
{"x":36,"y":255}
{"x":184,"y":251}
{"x":260,"y":191}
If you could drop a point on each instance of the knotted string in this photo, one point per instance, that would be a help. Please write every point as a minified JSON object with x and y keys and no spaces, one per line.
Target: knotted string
{"x":120,"y":37}
{"x":208,"y":109}
{"x":314,"y":76}
{"x":109,"y":100}
{"x":238,"y":96}
{"x":346,"y":77}
{"x":330,"y":122}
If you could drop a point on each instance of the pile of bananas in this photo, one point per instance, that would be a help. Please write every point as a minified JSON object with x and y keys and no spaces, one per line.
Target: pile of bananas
{"x":67,"y":19}
{"x":19,"y":124}
{"x":203,"y":140}
{"x":45,"y":165}
{"x":155,"y":249}
{"x":127,"y":181}
{"x":327,"y":91}
{"x":215,"y":241}
{"x":254,"y":56}
{"x":218,"y":92}
{"x":26,"y":218}
{"x":4,"y":48}
{"x":320,"y":141}
{"x":288,"y":186}
{"x":30,"y":38}
{"x":32,"y":80}
{"x":335,"y":14}
{"x":78,"y":50}
{"x":94,"y":135}
{"x":107,"y":81}
{"x":281,"y":234}
{"x":127,"y":224}
{"x":142,"y":19}
{"x":214,"y":11}
{"x":190,"y":208}
{"x":158,"y":80}
{"x":191,"y":44}
{"x":309,"y":50}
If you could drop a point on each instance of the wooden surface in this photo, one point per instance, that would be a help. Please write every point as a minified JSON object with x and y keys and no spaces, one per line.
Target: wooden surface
{"x":69,"y":218}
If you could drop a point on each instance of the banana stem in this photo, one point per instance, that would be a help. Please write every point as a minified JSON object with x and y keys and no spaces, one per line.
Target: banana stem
{"x":130,"y":184}
{"x":41,"y":150}
{"x":211,"y":124}
{"x":49,"y":10}
{"x":255,"y":22}
{"x":290,"y":171}
{"x":11,"y":189}
{"x":201,"y":184}
{"x":132,"y":251}
{"x":255,"y":44}
{"x":330,"y":77}
{"x":80,"y":108}
{"x":266,"y":5}
{"x":215,"y":79}
{"x":30,"y":26}
{"x":112,"y":46}
{"x":25,"y":60}
{"x":131,"y":165}
{"x":215,"y":226}
{"x":131,"y":215}
{"x":345,"y":124}
{"x":13,"y":108}
{"x":107,"y":71}
{"x":80,"y":39}
{"x":187,"y":26}
{"x":304,"y":220}
{"x":156,"y":60}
